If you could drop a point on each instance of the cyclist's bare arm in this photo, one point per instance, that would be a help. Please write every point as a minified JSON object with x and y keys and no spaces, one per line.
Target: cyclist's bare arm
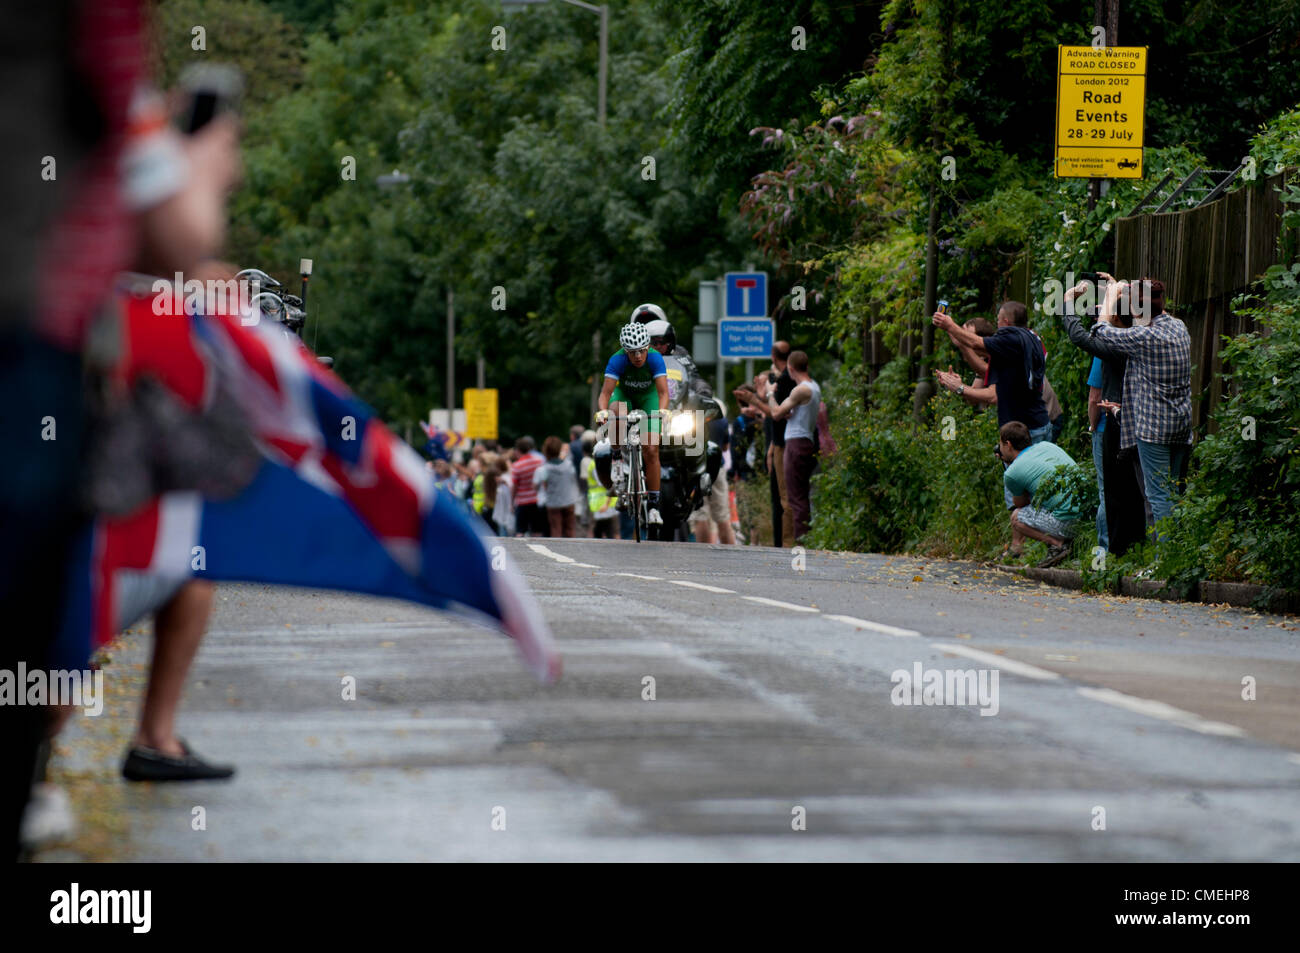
{"x":607,"y":391}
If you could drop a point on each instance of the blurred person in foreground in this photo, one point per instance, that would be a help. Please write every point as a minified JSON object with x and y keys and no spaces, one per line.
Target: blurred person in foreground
{"x":125,"y":190}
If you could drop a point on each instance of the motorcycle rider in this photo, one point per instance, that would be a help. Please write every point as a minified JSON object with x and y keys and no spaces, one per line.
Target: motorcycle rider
{"x":664,"y":340}
{"x":636,"y":376}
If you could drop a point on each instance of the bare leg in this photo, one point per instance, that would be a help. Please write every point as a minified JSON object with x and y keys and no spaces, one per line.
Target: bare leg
{"x":1017,"y":537}
{"x":178,"y":630}
{"x":725,"y":534}
{"x":1028,"y":532}
{"x":650,"y":453}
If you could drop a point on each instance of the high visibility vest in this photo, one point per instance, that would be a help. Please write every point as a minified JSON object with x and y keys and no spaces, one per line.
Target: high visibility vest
{"x":479,"y":494}
{"x":598,"y":498}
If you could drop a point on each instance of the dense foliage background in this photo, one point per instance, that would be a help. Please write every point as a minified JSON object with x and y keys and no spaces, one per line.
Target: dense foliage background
{"x":807,"y":137}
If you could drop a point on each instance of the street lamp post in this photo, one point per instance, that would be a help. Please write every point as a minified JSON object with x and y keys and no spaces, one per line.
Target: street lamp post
{"x":603,"y":69}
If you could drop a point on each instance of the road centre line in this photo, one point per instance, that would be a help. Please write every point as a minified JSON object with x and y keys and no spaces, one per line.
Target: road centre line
{"x":700,"y":585}
{"x":550,"y":554}
{"x":1002,"y":662}
{"x":779,"y":604}
{"x":874,"y":626}
{"x":1143,"y":706}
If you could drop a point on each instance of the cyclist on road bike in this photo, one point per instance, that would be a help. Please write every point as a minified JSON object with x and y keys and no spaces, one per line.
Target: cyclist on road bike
{"x":636,"y":377}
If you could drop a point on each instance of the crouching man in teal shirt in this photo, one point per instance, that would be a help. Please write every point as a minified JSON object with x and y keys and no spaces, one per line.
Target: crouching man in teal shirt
{"x":1054,"y":520}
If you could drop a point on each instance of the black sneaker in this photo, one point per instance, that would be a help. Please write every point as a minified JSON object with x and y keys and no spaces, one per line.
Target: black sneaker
{"x":1055,"y":554}
{"x":146,"y":764}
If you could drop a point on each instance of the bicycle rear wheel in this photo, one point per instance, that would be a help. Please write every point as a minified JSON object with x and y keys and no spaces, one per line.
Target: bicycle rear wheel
{"x":635,"y":489}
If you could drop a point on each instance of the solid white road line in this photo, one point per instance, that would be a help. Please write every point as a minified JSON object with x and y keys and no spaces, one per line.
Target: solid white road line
{"x":1155,"y":709}
{"x":873,"y":626}
{"x":700,"y":585}
{"x":1000,"y":661}
{"x":780,"y":605}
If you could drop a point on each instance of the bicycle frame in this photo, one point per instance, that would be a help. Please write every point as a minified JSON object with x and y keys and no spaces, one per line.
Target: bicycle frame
{"x":634,"y":477}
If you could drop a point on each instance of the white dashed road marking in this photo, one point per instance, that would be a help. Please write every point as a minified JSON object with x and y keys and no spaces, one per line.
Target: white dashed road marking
{"x":700,"y":585}
{"x":1108,"y":696}
{"x":873,"y":626}
{"x":1006,"y":664}
{"x":780,"y":605}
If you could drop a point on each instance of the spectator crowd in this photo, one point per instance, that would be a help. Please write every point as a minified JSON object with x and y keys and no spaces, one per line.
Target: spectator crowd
{"x":1139,"y":413}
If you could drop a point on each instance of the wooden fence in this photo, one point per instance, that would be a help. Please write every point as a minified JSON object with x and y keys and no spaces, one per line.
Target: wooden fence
{"x":1206,"y":256}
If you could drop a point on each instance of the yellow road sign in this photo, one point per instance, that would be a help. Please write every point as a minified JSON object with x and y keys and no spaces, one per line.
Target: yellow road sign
{"x":1100,"y":109}
{"x":481,"y":413}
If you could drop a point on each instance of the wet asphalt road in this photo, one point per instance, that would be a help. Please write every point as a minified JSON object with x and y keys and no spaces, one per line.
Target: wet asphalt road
{"x":773,"y":709}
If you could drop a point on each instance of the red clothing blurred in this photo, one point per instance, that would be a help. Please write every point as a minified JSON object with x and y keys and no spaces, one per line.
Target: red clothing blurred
{"x":94,"y":235}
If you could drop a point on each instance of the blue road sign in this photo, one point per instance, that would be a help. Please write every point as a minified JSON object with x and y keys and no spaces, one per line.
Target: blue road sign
{"x":746,"y":295}
{"x":742,"y":337}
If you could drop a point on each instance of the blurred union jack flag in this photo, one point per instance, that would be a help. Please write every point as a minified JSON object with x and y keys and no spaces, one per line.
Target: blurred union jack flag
{"x":335,"y":501}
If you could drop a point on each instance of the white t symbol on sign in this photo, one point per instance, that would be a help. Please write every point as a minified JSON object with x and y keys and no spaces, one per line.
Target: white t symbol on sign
{"x":745,"y":284}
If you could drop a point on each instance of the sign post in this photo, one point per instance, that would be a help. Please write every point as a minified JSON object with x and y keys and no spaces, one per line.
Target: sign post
{"x":745,"y":337}
{"x":745,"y":295}
{"x":1100,"y":111}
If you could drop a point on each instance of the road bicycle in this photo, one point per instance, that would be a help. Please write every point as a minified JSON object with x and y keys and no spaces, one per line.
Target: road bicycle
{"x":631,"y":486}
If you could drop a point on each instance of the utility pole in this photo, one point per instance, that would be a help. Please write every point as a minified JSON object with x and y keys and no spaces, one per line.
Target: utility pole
{"x":1106,"y":16}
{"x":603,"y":68}
{"x":598,"y":379}
{"x":451,"y":359}
{"x":924,"y":388}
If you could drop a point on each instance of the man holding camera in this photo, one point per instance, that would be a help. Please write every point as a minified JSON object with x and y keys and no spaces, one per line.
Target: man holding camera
{"x":1156,"y":413}
{"x":1016,"y":359}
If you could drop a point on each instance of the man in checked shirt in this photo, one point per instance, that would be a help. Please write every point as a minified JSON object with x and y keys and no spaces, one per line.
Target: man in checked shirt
{"x":1156,"y":414}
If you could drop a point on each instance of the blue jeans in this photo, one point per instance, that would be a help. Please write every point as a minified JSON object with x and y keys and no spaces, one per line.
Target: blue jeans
{"x":1098,"y":452}
{"x":1162,"y":464}
{"x":1035,"y":436}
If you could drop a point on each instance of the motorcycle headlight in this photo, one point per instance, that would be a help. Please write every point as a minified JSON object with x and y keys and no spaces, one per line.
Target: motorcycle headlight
{"x":682,"y":425}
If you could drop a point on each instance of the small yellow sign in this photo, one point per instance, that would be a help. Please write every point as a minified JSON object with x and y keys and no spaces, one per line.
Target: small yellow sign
{"x":1100,"y":111}
{"x":481,"y":413}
